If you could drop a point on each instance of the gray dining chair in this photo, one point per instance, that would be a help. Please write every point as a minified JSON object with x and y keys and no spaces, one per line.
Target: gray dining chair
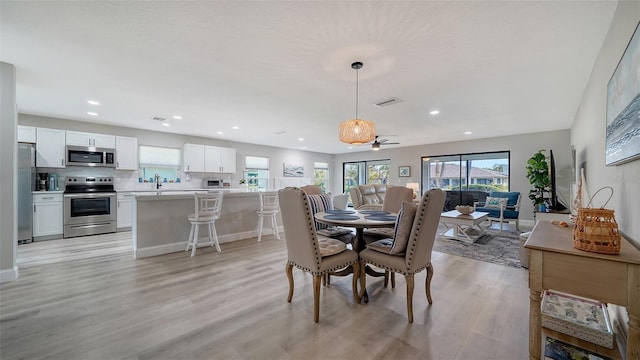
{"x":310,"y":252}
{"x":393,"y":256}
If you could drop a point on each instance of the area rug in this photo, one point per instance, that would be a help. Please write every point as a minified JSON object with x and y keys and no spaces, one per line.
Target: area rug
{"x":502,"y":248}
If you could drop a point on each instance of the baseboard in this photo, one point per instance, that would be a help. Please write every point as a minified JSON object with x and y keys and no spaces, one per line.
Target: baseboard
{"x":8,"y":275}
{"x":181,"y":245}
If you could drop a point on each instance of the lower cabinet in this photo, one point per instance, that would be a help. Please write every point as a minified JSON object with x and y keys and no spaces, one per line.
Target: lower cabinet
{"x":124,"y":212}
{"x":47,"y":215}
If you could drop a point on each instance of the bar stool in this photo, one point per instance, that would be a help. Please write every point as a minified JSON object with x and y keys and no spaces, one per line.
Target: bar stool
{"x":207,"y":211}
{"x":269,"y":207}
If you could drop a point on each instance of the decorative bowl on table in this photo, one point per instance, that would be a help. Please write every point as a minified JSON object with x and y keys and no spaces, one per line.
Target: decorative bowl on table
{"x":464,"y":209}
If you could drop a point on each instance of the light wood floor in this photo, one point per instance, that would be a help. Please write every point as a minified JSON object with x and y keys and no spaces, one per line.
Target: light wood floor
{"x":88,"y":298}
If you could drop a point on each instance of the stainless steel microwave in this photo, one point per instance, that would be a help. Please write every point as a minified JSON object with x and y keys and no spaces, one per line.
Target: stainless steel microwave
{"x":212,"y":183}
{"x":90,"y":156}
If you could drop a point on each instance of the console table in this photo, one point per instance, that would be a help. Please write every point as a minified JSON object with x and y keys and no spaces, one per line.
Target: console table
{"x":555,"y":264}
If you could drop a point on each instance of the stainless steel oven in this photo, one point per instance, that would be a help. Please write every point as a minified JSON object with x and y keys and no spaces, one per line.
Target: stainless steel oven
{"x":90,"y":206}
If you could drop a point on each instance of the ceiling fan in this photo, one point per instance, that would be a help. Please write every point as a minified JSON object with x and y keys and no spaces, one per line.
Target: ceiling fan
{"x":375,"y":146}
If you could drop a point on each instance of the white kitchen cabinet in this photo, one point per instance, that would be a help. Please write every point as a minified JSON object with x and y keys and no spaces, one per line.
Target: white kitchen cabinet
{"x":26,"y":134}
{"x":50,"y":148}
{"x":219,"y":159}
{"x":125,"y":211}
{"x":77,"y":138}
{"x":126,"y":153}
{"x":47,"y":214}
{"x":193,"y":158}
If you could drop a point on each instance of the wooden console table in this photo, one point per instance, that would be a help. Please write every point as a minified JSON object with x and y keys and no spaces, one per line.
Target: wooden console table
{"x":555,"y":264}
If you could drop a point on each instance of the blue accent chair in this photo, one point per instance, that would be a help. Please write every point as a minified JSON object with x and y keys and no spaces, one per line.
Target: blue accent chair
{"x":506,"y":213}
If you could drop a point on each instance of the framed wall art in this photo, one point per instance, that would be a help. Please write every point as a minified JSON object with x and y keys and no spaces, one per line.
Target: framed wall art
{"x":404,"y":171}
{"x":623,"y":107}
{"x":293,"y":170}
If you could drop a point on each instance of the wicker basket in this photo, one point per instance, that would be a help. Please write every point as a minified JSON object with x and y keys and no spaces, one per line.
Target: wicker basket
{"x":596,"y":230}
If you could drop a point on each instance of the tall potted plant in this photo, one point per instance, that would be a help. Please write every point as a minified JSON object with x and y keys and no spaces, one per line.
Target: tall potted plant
{"x":538,"y":175}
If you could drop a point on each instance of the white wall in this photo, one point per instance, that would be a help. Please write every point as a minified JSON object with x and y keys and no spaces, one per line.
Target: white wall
{"x":588,"y":130}
{"x":521,"y":148}
{"x":8,"y":176}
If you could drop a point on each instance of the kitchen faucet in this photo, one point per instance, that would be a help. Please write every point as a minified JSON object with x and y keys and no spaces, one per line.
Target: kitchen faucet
{"x":158,"y":185}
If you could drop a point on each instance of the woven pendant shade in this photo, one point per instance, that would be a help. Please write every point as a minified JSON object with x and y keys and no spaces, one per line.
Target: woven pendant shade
{"x":357,"y":131}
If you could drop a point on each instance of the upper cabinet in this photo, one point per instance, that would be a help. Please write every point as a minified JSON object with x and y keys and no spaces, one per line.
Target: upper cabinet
{"x":193,"y":158}
{"x":26,"y":134}
{"x":126,"y":153}
{"x":204,"y":158}
{"x":77,"y":138}
{"x":219,"y":159}
{"x":50,"y":148}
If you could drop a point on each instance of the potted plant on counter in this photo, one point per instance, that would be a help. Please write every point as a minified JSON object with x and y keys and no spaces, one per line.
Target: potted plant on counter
{"x":538,"y":175}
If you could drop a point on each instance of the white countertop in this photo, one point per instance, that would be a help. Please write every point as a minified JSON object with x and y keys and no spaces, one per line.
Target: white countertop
{"x":48,"y":192}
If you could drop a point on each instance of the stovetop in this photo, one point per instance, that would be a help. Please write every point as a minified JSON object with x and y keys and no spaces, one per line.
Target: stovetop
{"x":89,"y":184}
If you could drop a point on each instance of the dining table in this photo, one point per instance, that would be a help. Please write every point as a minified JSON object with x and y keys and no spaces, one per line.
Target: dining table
{"x":360,"y":220}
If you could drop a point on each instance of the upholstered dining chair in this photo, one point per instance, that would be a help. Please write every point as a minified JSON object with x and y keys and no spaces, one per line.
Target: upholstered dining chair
{"x":311,"y":189}
{"x":310,"y":252}
{"x":394,"y":197}
{"x":408,"y":255}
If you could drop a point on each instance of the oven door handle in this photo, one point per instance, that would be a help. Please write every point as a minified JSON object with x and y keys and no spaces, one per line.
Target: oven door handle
{"x":89,"y":195}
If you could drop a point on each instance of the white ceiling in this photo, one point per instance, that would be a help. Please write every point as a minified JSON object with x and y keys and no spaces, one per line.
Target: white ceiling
{"x":492,"y":68}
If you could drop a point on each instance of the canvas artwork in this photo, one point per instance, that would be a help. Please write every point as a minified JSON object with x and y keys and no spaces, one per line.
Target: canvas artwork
{"x":293,"y":170}
{"x":623,"y":107}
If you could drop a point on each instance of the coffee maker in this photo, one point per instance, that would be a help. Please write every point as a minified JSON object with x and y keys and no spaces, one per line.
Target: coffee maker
{"x":43,"y":179}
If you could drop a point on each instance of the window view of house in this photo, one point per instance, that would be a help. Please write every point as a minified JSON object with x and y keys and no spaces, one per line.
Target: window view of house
{"x":483,"y":171}
{"x":320,"y":175}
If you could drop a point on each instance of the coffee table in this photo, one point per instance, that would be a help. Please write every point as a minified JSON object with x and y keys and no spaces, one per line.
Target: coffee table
{"x":463,"y":227}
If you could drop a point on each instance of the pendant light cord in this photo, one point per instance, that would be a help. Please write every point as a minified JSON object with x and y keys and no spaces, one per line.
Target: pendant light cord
{"x":357,"y":82}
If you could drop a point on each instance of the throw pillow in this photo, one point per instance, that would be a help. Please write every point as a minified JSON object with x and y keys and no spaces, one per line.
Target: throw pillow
{"x":404,"y":223}
{"x":320,"y":203}
{"x":494,"y":202}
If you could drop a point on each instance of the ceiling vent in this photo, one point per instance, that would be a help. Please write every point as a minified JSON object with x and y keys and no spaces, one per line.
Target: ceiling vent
{"x":387,"y":102}
{"x":158,"y":118}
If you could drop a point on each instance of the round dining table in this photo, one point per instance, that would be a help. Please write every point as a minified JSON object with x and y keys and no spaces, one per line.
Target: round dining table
{"x":360,"y":220}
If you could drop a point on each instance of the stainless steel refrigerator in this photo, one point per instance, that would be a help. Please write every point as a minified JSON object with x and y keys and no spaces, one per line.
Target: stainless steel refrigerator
{"x":26,"y":184}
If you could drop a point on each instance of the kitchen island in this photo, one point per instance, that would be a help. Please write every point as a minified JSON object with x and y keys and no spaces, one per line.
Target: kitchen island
{"x":160,"y":224}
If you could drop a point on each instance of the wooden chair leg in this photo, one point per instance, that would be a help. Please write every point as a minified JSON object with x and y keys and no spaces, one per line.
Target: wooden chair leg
{"x":363,"y":280}
{"x":215,"y":236}
{"x":289,"y":270}
{"x":427,"y":283}
{"x":190,"y":238}
{"x":386,"y":278}
{"x":260,"y":224}
{"x":324,"y":279}
{"x":409,"y":279}
{"x":354,"y":283}
{"x":328,"y":279}
{"x":196,"y":234}
{"x":393,"y":280}
{"x":316,"y":297}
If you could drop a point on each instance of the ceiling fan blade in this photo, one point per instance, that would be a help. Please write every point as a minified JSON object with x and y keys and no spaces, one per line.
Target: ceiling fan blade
{"x":383,"y":140}
{"x":388,"y":143}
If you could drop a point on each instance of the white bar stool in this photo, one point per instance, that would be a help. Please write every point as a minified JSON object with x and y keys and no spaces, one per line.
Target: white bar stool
{"x":207,"y":211}
{"x":269,"y":207}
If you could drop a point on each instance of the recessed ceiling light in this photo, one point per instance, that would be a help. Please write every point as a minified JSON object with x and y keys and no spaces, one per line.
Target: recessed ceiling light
{"x":434,"y":112}
{"x":235,"y":127}
{"x":300,"y":139}
{"x":166,"y":124}
{"x":177,"y":117}
{"x":467,"y":132}
{"x":92,"y":102}
{"x":219,"y":133}
{"x":92,"y":113}
{"x":350,"y":147}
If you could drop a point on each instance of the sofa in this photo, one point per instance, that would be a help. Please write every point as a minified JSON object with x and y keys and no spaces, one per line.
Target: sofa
{"x":368,"y":197}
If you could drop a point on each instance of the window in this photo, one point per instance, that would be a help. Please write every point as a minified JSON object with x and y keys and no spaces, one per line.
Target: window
{"x":479,"y":171}
{"x":256,"y":172}
{"x":365,"y":172}
{"x":159,"y":160}
{"x":320,"y":175}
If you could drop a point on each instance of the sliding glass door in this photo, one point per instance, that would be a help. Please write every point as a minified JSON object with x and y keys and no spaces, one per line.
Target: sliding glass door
{"x":365,"y":172}
{"x":466,"y":177}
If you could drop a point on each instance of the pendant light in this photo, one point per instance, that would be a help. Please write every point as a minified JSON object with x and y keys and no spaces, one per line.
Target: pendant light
{"x":357,"y":131}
